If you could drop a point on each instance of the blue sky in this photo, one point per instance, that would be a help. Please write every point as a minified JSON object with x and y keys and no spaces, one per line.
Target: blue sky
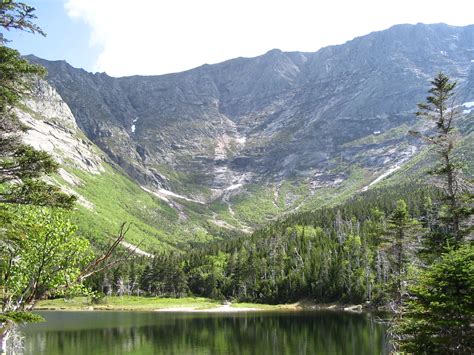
{"x":123,"y":37}
{"x":67,"y":38}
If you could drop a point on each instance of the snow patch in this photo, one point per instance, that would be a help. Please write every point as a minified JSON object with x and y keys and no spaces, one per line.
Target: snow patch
{"x":156,"y":194}
{"x":172,"y":194}
{"x":469,"y":106}
{"x":241,"y":140}
{"x":163,"y":194}
{"x":135,"y":249}
{"x":383,"y":176}
{"x":233,"y":187}
{"x":391,"y":170}
{"x":134,"y":127}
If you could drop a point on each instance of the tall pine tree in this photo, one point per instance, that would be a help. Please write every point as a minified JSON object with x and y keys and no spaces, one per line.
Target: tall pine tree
{"x":440,"y":109}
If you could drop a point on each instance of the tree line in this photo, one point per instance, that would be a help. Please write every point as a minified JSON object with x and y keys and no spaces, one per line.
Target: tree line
{"x":348,"y":253}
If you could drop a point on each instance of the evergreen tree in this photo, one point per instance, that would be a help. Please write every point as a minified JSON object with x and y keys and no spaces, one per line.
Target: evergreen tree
{"x":17,"y":15}
{"x":441,"y":110}
{"x":438,"y":317}
{"x":401,"y":244}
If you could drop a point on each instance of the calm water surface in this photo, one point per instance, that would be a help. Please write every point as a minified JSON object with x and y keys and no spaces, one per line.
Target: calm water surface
{"x":261,"y":333}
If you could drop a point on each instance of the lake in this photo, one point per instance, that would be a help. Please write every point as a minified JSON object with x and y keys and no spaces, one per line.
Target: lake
{"x":112,"y":332}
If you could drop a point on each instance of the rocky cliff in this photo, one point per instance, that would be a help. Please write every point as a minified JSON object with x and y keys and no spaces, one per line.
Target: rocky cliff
{"x":275,"y":132}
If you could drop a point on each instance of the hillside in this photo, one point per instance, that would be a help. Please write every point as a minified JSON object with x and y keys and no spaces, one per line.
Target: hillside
{"x":235,"y":145}
{"x":106,"y":196}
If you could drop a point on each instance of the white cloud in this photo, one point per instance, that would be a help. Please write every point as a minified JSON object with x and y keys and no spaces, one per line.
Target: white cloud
{"x":156,"y":36}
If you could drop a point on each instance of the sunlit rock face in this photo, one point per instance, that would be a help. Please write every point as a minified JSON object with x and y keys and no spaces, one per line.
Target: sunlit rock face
{"x":311,"y":117}
{"x":52,"y":128}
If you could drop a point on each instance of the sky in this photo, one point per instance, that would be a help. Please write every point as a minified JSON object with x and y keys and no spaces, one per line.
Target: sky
{"x":148,"y":37}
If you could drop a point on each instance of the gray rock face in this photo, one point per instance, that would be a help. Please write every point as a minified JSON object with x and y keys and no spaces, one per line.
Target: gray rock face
{"x":270,"y":118}
{"x":52,"y":128}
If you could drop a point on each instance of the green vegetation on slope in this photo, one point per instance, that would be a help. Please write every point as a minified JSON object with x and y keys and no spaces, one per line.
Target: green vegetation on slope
{"x":156,"y":226}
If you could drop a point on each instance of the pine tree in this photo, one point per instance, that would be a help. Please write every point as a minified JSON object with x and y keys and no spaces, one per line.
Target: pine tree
{"x":437,"y":315}
{"x":440,"y":109}
{"x":401,"y":244}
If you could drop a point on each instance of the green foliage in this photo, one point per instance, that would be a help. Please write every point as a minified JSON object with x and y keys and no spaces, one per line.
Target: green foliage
{"x":42,"y":255}
{"x":19,"y":16}
{"x":128,"y":303}
{"x":21,"y":317}
{"x":116,"y":198}
{"x":164,"y":278}
{"x":440,"y":109}
{"x":401,"y":244}
{"x":39,"y":253}
{"x":438,"y":316}
{"x":38,"y":193}
{"x":327,"y":255}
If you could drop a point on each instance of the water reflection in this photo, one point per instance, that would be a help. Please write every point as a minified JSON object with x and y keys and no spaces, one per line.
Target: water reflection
{"x":177,"y":333}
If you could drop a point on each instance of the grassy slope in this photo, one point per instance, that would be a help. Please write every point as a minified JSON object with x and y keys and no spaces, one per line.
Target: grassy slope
{"x":116,"y":199}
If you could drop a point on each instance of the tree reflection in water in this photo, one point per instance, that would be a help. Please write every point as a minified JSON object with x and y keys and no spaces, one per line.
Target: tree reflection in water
{"x":178,"y":333}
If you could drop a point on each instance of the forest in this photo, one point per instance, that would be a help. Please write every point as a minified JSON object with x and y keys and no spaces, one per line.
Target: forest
{"x":347,"y":253}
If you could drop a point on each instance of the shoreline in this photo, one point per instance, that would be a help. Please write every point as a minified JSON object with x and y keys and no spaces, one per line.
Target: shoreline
{"x":185,"y":305}
{"x":227,"y":308}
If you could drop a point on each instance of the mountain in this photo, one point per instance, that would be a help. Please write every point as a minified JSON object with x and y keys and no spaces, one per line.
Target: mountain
{"x":106,"y":196}
{"x":247,"y":140}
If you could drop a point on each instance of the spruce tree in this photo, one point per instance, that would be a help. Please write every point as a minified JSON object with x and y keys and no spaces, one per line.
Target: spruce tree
{"x":438,"y":316}
{"x":401,"y":243}
{"x":440,"y":109}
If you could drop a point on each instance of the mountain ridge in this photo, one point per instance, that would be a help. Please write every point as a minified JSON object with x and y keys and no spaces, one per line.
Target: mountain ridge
{"x":224,"y":133}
